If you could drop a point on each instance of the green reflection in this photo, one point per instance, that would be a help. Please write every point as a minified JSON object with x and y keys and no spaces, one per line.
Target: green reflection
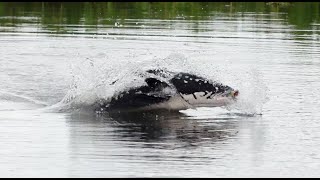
{"x":302,"y":15}
{"x":55,"y":16}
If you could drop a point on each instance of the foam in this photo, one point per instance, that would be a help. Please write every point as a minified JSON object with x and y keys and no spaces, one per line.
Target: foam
{"x":95,"y":79}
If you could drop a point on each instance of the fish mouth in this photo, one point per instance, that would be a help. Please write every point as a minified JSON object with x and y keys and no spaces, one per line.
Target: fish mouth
{"x":231,"y":94}
{"x":234,"y":94}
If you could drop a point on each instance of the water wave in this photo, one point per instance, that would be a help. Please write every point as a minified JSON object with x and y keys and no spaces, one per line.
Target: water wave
{"x":95,"y":79}
{"x":10,"y":101}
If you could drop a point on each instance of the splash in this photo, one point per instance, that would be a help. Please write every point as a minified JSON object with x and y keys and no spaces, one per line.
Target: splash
{"x":94,"y":79}
{"x":253,"y":93}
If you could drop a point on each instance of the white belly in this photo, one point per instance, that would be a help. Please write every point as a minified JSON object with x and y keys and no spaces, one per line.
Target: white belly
{"x":181,"y":102}
{"x":174,"y":103}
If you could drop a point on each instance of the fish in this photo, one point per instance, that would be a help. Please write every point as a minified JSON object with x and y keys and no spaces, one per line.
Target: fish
{"x":182,"y":91}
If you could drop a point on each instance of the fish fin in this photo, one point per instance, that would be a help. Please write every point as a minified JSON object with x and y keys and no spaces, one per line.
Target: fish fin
{"x":155,"y":83}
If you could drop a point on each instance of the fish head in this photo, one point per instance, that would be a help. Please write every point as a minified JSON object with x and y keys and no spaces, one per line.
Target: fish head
{"x":212,"y":98}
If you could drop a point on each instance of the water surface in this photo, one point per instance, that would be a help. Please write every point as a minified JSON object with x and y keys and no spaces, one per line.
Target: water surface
{"x":53,"y":53}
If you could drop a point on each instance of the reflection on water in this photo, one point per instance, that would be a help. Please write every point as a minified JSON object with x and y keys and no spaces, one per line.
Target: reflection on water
{"x":157,"y":126}
{"x":115,"y":142}
{"x":62,"y":17}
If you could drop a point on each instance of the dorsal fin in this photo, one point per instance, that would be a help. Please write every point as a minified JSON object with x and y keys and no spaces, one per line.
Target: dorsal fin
{"x":160,"y":72}
{"x":155,"y":83}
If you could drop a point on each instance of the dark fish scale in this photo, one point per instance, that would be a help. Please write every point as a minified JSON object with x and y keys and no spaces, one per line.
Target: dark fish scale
{"x":185,"y":84}
{"x":198,"y":84}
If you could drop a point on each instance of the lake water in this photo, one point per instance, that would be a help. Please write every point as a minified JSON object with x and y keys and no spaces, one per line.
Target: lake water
{"x":57,"y":58}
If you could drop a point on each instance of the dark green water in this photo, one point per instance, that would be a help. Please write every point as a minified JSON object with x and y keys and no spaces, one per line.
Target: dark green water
{"x":57,"y":16}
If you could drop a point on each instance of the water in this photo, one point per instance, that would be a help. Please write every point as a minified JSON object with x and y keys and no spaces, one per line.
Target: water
{"x":58,"y":58}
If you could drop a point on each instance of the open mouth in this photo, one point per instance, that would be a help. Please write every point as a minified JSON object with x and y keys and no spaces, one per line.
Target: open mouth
{"x":235,"y":93}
